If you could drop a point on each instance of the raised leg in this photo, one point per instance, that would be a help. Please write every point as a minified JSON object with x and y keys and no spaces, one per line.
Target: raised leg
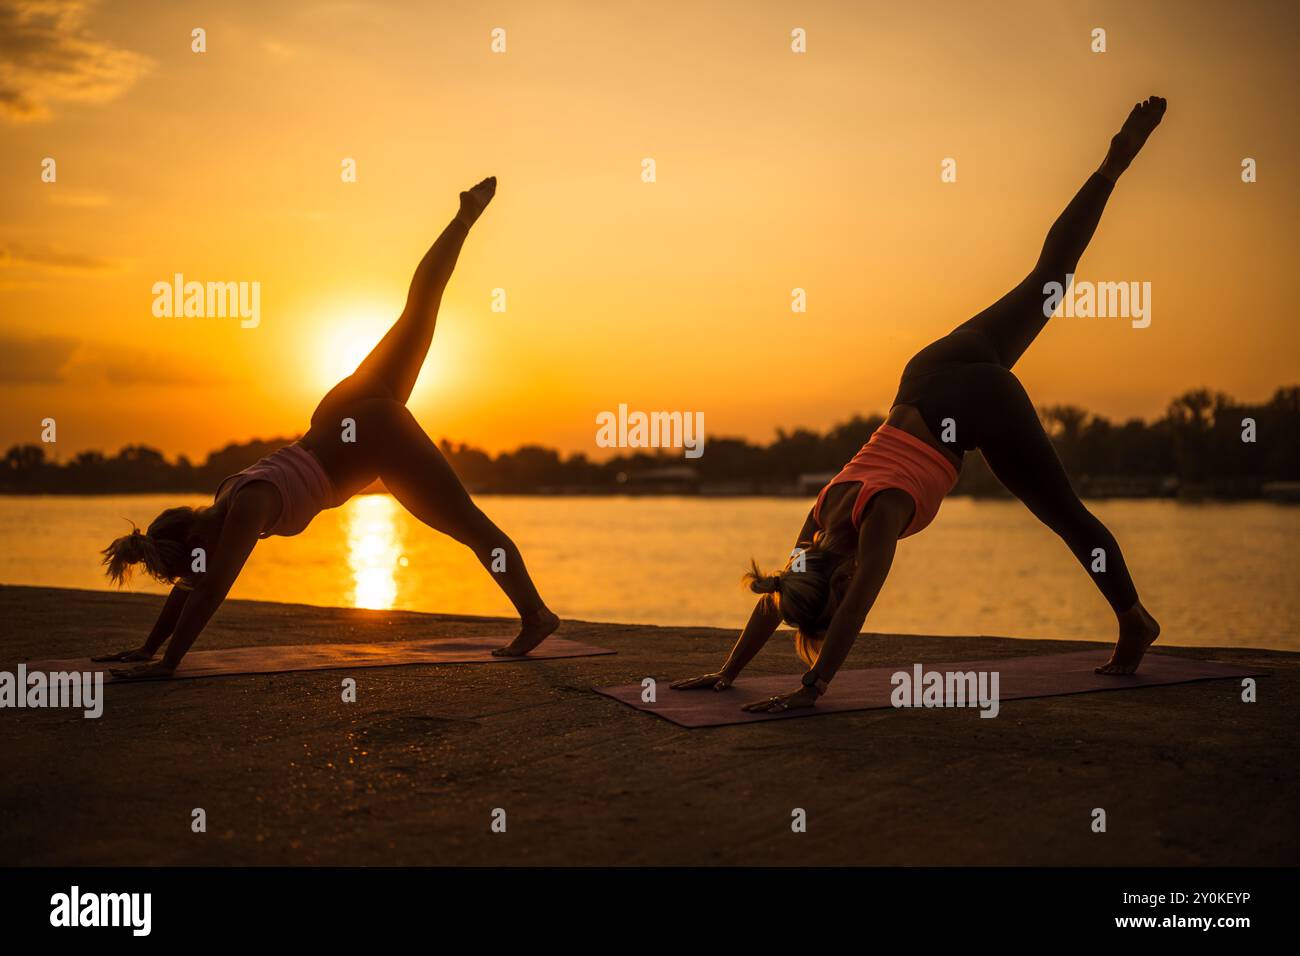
{"x":389,"y":372}
{"x":1013,"y":322}
{"x":1022,"y":457}
{"x":395,"y":362}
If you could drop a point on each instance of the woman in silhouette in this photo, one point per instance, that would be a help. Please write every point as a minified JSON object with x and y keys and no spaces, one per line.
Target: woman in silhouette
{"x":361,"y":430}
{"x":956,"y":394}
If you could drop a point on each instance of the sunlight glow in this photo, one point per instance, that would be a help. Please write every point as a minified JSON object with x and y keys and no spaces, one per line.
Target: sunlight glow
{"x":348,"y":334}
{"x":346,"y":343}
{"x":374,"y":550}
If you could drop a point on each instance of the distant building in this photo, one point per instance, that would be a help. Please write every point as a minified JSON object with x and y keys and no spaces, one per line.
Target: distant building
{"x":1288,"y":491}
{"x":670,"y":480}
{"x":813,"y":482}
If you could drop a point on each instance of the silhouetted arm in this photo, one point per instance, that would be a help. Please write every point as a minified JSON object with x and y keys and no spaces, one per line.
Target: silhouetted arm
{"x":238,"y":538}
{"x":762,"y":624}
{"x":162,"y":629}
{"x":764,"y":620}
{"x":877,"y":543}
{"x":885,"y":519}
{"x":239,"y":534}
{"x":167,"y":618}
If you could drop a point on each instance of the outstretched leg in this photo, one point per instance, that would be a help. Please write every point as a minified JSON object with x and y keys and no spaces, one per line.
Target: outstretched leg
{"x":395,"y":362}
{"x":389,"y":372}
{"x":423,"y":482}
{"x":1013,"y":322}
{"x":1022,"y":457}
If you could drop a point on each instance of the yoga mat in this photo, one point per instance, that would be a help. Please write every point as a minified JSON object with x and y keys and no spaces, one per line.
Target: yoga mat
{"x":278,"y":658}
{"x":1048,"y":675}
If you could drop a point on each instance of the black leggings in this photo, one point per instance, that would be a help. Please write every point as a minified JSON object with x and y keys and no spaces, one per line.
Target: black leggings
{"x":964,"y":389}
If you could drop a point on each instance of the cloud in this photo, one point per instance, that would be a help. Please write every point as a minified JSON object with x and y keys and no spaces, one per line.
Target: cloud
{"x":78,"y":199}
{"x":34,"y":361}
{"x":54,"y":360}
{"x":278,"y":50}
{"x":18,"y":256}
{"x":124,"y":365}
{"x":48,"y":56}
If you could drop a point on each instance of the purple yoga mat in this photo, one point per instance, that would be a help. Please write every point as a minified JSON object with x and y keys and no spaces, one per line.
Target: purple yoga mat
{"x":1048,"y":675}
{"x":278,"y":658}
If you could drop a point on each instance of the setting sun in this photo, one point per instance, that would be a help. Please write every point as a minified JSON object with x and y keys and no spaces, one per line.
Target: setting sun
{"x":345,"y":342}
{"x":347,"y":335}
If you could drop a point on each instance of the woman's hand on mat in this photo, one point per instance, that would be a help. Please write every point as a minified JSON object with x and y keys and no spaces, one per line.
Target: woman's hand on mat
{"x":124,"y":657}
{"x":803,"y":697}
{"x":718,"y":681}
{"x":143,"y":671}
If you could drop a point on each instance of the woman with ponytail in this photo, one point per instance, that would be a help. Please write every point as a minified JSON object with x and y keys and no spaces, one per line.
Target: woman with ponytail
{"x":361,"y":430}
{"x":956,"y":394}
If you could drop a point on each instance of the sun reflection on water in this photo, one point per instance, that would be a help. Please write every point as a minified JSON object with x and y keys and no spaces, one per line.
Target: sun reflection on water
{"x":374,"y":550}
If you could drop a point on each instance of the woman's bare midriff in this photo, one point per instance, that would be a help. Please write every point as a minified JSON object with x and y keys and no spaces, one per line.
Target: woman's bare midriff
{"x":907,"y":418}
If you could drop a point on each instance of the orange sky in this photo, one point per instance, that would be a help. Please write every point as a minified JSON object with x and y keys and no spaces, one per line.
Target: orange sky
{"x":775,"y":171}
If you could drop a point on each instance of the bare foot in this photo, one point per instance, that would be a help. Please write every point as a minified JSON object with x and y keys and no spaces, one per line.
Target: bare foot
{"x":1138,"y":630}
{"x":531,"y":633}
{"x":1146,"y":116}
{"x":473,"y":201}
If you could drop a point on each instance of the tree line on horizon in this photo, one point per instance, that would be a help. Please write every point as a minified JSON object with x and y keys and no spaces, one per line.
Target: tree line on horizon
{"x":1205,"y":444}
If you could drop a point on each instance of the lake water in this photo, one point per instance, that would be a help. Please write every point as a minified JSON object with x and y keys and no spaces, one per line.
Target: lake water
{"x":1214,"y":574}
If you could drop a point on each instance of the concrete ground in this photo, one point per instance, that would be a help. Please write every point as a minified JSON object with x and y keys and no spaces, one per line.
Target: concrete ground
{"x":410,"y":774}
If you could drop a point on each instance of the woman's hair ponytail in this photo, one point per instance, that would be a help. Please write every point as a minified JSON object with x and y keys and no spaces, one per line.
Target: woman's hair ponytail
{"x":162,"y":551}
{"x":802,"y":589}
{"x":761,"y":583}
